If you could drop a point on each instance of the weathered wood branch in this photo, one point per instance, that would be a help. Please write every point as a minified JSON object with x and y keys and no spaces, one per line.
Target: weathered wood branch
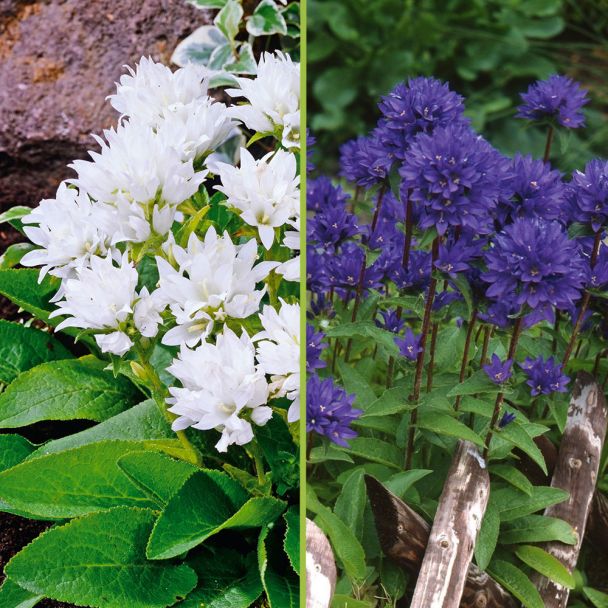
{"x":576,"y":472}
{"x":320,"y":568}
{"x":404,"y":536}
{"x":460,"y":511}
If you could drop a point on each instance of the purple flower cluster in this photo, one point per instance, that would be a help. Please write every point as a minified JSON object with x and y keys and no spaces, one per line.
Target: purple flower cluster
{"x":588,"y":195}
{"x":314,"y":348}
{"x":409,"y":345}
{"x":558,"y":99}
{"x":544,"y":376}
{"x":329,"y":410}
{"x":533,"y":264}
{"x":455,"y":177}
{"x":365,"y":161}
{"x":497,"y":371}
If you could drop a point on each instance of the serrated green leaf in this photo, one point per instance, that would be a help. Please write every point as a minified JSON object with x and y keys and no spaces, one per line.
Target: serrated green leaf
{"x":376,"y":450}
{"x":355,"y":383}
{"x":99,"y":560}
{"x":516,"y":434}
{"x":226,"y":579}
{"x":140,"y":422}
{"x":207,"y":503}
{"x":444,"y":424}
{"x":512,"y":475}
{"x":392,"y":401}
{"x":69,"y":389}
{"x":22,"y":348}
{"x":512,"y":504}
{"x":515,"y":581}
{"x":13,"y":450}
{"x":350,"y":503}
{"x":543,"y":562}
{"x":13,"y":596}
{"x":158,"y":475}
{"x":537,"y":529}
{"x":72,"y":483}
{"x":366,"y":329}
{"x":21,"y":287}
{"x":488,"y":537}
{"x":229,"y":19}
{"x":346,"y":545}
{"x":266,"y":20}
{"x":477,"y":383}
{"x":282,"y":590}
{"x":291,"y":544}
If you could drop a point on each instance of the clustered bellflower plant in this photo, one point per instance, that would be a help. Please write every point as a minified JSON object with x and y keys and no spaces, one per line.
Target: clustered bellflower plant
{"x":172,"y":258}
{"x":454,"y":293}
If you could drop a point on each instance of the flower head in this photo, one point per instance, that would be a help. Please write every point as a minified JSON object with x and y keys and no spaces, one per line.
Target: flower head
{"x":588,"y":194}
{"x":331,"y":227}
{"x":222,"y":388}
{"x":506,"y":419}
{"x":321,"y":194}
{"x":278,"y":353}
{"x":409,"y":345}
{"x":214,"y":279}
{"x":314,"y":348}
{"x":419,"y":106}
{"x":329,"y":410}
{"x":265,"y":191}
{"x":533,"y":263}
{"x":497,"y":371}
{"x":100,"y":297}
{"x":274,"y":98}
{"x":67,"y":228}
{"x":365,"y":161}
{"x":455,"y":177}
{"x":544,"y":376}
{"x":557,"y":99}
{"x":391,"y":321}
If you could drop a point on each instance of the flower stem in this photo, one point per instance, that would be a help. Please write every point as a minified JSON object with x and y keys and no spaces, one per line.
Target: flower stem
{"x":487,"y":334}
{"x":548,"y":144}
{"x":426,"y":322}
{"x":500,"y":397}
{"x":465,"y":354}
{"x":581,"y":313}
{"x":258,"y":462}
{"x":356,"y":305}
{"x":429,"y":372}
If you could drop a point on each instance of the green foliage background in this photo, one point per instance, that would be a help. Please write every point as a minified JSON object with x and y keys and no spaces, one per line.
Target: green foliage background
{"x":489,"y":51}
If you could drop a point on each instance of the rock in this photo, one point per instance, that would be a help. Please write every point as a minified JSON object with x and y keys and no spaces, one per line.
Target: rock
{"x":59,"y":59}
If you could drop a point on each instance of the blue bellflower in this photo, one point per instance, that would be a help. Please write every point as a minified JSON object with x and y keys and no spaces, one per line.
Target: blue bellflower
{"x":497,"y":371}
{"x":390,"y":321}
{"x":409,"y":345}
{"x":588,"y":195}
{"x":329,"y":410}
{"x":558,"y":99}
{"x":321,"y":195}
{"x":314,"y":348}
{"x":544,"y":377}
{"x":331,"y":227}
{"x":365,"y":161}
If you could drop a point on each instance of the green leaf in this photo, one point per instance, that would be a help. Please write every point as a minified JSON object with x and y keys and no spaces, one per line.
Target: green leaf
{"x":207,"y":3}
{"x":515,"y":581}
{"x":516,"y":434}
{"x":245,"y":64}
{"x":346,"y":545}
{"x":65,"y":390}
{"x":282,"y":591}
{"x":488,"y":537}
{"x":14,"y":254}
{"x":199,"y":46}
{"x":543,"y":562}
{"x":355,"y":383}
{"x":366,"y":329}
{"x":512,"y":475}
{"x":207,"y":503}
{"x":158,"y":475}
{"x":513,"y":504}
{"x":226,"y":579}
{"x":22,"y":348}
{"x":99,"y":560}
{"x":291,"y":543}
{"x":21,"y":287}
{"x":72,"y":483}
{"x":14,"y":215}
{"x":266,"y":20}
{"x":280,"y":452}
{"x":597,"y":598}
{"x":350,"y":503}
{"x":392,"y":401}
{"x":537,"y":529}
{"x":478,"y":382}
{"x":345,"y":601}
{"x":13,"y":450}
{"x":376,"y":450}
{"x":228,"y":19}
{"x":140,"y":422}
{"x":13,"y":596}
{"x":461,"y":282}
{"x":443,"y":424}
{"x":400,"y":483}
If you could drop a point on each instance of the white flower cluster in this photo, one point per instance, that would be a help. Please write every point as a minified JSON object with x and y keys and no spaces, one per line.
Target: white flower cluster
{"x":138,"y":201}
